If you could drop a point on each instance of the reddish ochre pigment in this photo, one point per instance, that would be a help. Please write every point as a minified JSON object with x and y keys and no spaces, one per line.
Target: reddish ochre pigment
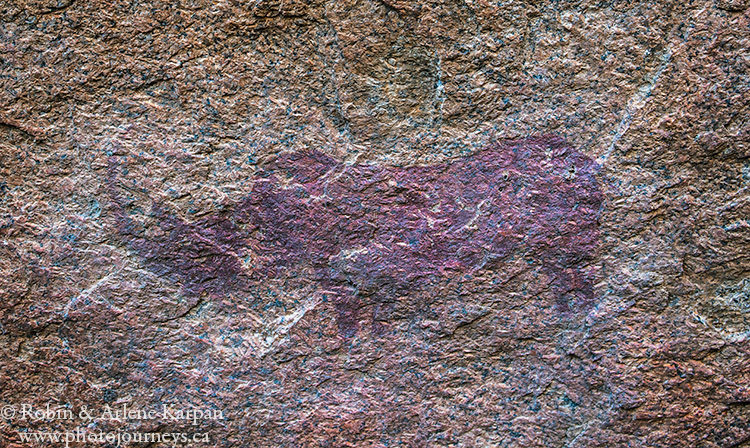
{"x":384,"y":231}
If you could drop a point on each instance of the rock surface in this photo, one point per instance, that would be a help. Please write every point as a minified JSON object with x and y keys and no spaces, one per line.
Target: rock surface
{"x":379,"y":223}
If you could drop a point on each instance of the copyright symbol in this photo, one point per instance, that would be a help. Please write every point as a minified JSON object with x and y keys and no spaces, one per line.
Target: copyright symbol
{"x":8,"y":411}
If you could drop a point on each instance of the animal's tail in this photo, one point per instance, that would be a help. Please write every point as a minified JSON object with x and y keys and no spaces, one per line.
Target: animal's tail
{"x":203,"y":256}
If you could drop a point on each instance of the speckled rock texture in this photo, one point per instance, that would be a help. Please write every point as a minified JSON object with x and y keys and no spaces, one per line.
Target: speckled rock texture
{"x":379,"y":223}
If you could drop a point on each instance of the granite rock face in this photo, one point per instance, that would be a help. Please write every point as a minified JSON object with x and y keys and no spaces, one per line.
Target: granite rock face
{"x":378,"y":223}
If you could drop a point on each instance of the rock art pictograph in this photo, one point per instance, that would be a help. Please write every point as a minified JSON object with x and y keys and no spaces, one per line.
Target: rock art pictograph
{"x":382,"y":231}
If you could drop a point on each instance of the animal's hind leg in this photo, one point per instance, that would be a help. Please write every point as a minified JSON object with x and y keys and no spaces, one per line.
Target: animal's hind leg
{"x":572,"y":288}
{"x":348,"y":310}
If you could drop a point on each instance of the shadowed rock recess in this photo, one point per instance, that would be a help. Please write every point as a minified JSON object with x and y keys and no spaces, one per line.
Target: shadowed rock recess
{"x":375,"y":223}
